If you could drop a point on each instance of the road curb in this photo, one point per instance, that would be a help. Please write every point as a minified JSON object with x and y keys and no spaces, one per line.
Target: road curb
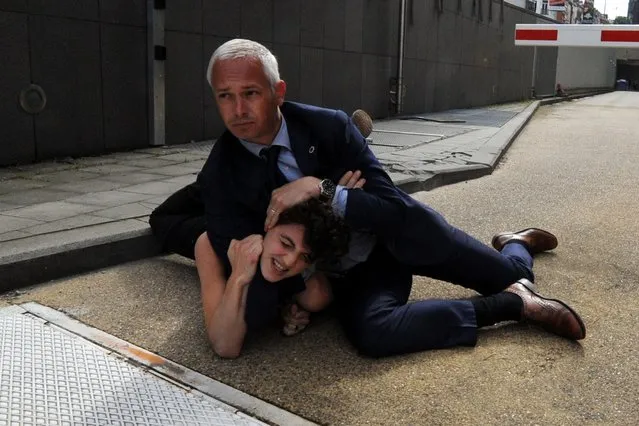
{"x":494,"y":149}
{"x":34,"y":267}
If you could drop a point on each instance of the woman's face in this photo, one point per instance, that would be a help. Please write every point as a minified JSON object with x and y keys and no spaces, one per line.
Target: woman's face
{"x":284,"y":254}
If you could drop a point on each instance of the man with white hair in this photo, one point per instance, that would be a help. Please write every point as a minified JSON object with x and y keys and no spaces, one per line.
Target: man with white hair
{"x":275,"y":155}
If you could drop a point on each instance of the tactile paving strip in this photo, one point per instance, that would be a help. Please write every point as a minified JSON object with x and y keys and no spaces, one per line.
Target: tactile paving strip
{"x":50,"y":377}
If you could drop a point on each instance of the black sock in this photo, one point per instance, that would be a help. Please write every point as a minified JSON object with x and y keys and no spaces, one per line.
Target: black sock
{"x":500,"y":307}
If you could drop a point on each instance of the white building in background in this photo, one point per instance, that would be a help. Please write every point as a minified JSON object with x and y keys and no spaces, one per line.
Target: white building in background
{"x":566,"y":11}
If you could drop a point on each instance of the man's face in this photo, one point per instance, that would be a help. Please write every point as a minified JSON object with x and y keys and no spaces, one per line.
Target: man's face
{"x":246,"y":101}
{"x":284,"y":254}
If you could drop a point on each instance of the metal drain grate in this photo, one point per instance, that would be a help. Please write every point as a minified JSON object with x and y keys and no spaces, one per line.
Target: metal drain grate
{"x":50,"y":377}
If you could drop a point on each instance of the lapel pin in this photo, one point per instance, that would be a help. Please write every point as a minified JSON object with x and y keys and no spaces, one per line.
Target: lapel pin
{"x":311,"y":149}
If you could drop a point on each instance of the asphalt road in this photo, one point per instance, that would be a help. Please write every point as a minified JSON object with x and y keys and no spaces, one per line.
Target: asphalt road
{"x":573,"y":170}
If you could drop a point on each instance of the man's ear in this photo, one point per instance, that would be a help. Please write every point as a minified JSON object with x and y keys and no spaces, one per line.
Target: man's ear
{"x":280,"y":92}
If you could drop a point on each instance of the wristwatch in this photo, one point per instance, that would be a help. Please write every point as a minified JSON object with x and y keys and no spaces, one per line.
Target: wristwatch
{"x":327,"y":190}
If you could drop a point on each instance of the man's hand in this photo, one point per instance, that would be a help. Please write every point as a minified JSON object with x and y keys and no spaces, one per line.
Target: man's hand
{"x":289,"y":195}
{"x":244,"y":256}
{"x":295,"y":319}
{"x":352,"y":180}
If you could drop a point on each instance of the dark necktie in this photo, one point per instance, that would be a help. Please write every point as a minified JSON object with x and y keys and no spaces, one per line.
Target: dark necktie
{"x":274,"y":177}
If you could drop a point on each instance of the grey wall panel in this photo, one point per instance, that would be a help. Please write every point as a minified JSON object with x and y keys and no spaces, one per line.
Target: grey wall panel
{"x":421,"y":30}
{"x":447,"y":86}
{"x":124,"y":83}
{"x":128,"y":12}
{"x":65,"y":60}
{"x":484,"y":48}
{"x":496,"y":24}
{"x":468,"y":85}
{"x":289,"y":61}
{"x":572,"y":61}
{"x":430,"y":82}
{"x":312,"y":24}
{"x":14,"y":5}
{"x":430,"y":31}
{"x":184,"y":97}
{"x":342,"y":80}
{"x":221,"y":17}
{"x":286,"y":28}
{"x":257,"y":20}
{"x":469,"y":34}
{"x":82,"y":9}
{"x":546,"y":70}
{"x":376,"y":74}
{"x":448,"y":47}
{"x":311,"y":75}
{"x":491,"y":50}
{"x":353,"y":21}
{"x":184,"y":15}
{"x":334,"y":22}
{"x":448,"y":5}
{"x":213,"y":125}
{"x":16,"y":132}
{"x":381,"y":27}
{"x":414,"y":84}
{"x":467,"y":9}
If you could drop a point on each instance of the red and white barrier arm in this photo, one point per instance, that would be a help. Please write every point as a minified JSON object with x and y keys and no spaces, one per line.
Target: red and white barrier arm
{"x":582,"y":35}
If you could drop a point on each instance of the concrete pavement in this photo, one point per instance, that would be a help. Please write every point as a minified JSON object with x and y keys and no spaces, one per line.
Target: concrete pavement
{"x":572,"y":170}
{"x":74,"y":215}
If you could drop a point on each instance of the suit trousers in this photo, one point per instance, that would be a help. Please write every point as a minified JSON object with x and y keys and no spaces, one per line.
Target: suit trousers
{"x":373,"y":297}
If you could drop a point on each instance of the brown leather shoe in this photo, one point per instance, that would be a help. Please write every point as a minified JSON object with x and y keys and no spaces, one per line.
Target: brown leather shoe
{"x":535,"y":239}
{"x":550,"y":314}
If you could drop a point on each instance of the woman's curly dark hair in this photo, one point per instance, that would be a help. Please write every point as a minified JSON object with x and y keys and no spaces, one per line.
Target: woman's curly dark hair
{"x":325,"y":233}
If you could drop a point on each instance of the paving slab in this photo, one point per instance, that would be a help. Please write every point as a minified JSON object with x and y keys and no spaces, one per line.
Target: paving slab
{"x":48,"y":212}
{"x":155,"y":201}
{"x":133,"y":178}
{"x":91,"y":185}
{"x":156,"y":188}
{"x":13,"y":235}
{"x":33,"y":196}
{"x":149,"y":162}
{"x":176,"y":169}
{"x":108,"y":198}
{"x":182,"y":180}
{"x":19,"y":185}
{"x":184,"y":157}
{"x":75,"y":222}
{"x":111,"y":169}
{"x":125,"y":211}
{"x":5,"y":206}
{"x":10,"y":223}
{"x":65,"y":176}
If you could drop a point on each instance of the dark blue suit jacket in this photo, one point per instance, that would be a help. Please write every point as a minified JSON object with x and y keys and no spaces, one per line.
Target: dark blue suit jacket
{"x":326,"y":144}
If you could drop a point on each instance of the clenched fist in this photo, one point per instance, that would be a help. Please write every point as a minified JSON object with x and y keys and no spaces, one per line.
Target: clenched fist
{"x":244,"y":256}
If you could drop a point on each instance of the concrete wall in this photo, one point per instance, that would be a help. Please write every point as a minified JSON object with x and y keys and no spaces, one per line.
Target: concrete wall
{"x":583,"y":67}
{"x":343,"y":54}
{"x":90,"y":58}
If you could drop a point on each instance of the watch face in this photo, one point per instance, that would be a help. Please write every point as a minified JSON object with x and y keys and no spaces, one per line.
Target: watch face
{"x":327,"y":189}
